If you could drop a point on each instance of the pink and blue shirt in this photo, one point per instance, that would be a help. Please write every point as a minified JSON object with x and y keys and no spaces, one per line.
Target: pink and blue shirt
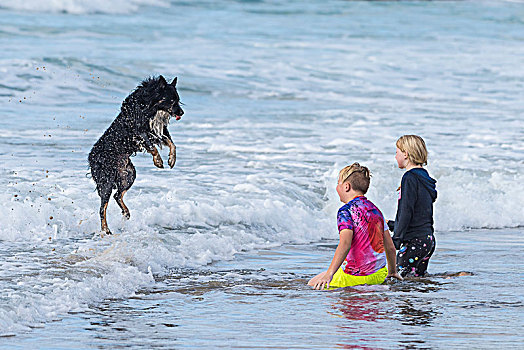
{"x":366,"y":255}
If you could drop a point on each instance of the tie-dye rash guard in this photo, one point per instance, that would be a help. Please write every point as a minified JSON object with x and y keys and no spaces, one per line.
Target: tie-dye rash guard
{"x":366,"y":255}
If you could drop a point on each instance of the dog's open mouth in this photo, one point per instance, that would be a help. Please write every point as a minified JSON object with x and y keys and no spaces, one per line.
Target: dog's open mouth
{"x":177,"y":117}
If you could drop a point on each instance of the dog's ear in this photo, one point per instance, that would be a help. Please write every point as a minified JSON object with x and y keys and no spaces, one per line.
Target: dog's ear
{"x":162,"y":83}
{"x":174,"y":81}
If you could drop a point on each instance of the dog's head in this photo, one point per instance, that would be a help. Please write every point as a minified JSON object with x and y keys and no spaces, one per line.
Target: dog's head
{"x":166,"y":98}
{"x":153,"y":103}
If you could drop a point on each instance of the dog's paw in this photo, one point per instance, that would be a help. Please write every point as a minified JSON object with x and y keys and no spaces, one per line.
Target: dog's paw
{"x":158,"y":162}
{"x":126,"y":214}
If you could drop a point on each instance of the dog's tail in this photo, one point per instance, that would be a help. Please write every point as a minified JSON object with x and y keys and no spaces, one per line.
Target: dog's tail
{"x":92,"y":164}
{"x":103,"y":167}
{"x":96,"y":166}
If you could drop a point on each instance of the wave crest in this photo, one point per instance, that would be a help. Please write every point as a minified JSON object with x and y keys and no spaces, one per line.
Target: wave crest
{"x":78,"y":7}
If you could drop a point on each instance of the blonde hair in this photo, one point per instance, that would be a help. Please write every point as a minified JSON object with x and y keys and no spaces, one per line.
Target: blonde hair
{"x":357,"y":175}
{"x":415,"y":147}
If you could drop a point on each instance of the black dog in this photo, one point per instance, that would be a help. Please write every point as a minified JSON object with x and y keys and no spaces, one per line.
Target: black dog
{"x":140,"y":125}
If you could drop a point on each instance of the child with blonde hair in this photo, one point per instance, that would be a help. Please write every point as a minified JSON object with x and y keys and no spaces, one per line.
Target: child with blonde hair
{"x":365,"y":243}
{"x":413,"y":225}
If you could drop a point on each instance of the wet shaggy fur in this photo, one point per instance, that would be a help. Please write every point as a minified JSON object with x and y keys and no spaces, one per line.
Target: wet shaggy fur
{"x":140,"y":125}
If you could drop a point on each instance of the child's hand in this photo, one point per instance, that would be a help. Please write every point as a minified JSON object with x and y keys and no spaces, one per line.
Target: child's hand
{"x":321,"y":281}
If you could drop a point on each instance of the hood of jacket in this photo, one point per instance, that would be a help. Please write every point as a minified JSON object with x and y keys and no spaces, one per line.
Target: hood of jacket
{"x":428,"y":182}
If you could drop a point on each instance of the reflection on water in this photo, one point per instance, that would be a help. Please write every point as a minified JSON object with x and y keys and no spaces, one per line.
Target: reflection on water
{"x":361,"y":307}
{"x":399,"y":301}
{"x":416,"y":312}
{"x":418,"y":284}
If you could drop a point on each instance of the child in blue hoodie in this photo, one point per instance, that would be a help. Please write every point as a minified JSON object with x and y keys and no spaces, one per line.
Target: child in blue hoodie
{"x":413,"y":225}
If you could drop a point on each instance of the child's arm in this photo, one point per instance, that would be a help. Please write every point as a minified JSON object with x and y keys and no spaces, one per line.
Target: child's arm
{"x":406,"y":206}
{"x":391,"y":256}
{"x":323,"y":279}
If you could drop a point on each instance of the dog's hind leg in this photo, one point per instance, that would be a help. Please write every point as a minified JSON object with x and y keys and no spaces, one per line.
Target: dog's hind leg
{"x":104,"y":191}
{"x":125,"y":179}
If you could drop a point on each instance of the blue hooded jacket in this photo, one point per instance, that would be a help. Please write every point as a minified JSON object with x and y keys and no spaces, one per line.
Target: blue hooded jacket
{"x":415,"y":206}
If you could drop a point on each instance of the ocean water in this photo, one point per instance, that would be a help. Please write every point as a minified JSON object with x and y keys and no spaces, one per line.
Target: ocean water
{"x":278,"y":95}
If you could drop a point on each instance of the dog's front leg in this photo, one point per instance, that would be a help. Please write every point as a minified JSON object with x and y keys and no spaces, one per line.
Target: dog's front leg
{"x":172,"y":148}
{"x":157,"y":160}
{"x":172,"y":153}
{"x":150,"y":148}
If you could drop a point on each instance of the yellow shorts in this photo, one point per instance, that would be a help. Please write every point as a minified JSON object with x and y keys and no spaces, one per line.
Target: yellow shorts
{"x":342,"y":279}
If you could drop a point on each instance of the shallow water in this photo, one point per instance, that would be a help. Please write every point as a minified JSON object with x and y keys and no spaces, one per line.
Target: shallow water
{"x":278,"y":97}
{"x":260,"y":300}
